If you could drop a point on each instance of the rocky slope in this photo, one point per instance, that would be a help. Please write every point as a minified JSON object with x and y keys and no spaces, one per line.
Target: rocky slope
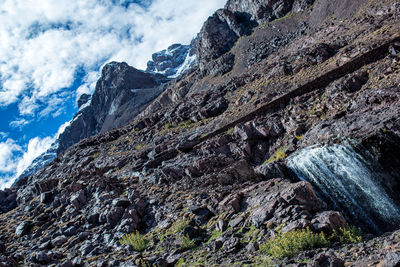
{"x":205,"y":172}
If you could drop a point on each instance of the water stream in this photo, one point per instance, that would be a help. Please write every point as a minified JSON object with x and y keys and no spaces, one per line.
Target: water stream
{"x":348,"y":182}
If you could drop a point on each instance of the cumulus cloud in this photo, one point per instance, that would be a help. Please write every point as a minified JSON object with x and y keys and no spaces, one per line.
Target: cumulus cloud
{"x":45,"y":44}
{"x":14,"y":159}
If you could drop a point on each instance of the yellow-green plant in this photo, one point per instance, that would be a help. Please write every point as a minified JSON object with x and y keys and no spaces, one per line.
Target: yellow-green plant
{"x":279,"y":154}
{"x":230,"y":131}
{"x":136,"y":240}
{"x":186,"y":242}
{"x":347,"y":235}
{"x":290,"y":243}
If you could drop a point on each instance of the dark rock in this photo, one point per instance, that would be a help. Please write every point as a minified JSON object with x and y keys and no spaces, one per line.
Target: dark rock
{"x":23,"y":229}
{"x":231,"y":245}
{"x":190,"y":231}
{"x":7,"y":262}
{"x":220,"y":226}
{"x":327,"y":260}
{"x":78,"y":200}
{"x":70,"y":231}
{"x":46,"y":197}
{"x":121,"y":93}
{"x":168,"y":62}
{"x":2,"y":247}
{"x":42,"y":257}
{"x":329,"y":221}
{"x":59,"y":241}
{"x":121,"y":202}
{"x":83,"y":99}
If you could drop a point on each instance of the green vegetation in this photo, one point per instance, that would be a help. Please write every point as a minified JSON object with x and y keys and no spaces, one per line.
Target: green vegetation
{"x":279,"y":154}
{"x":299,"y":137}
{"x":346,"y":235}
{"x":290,"y":243}
{"x":214,"y":235}
{"x":230,"y":131}
{"x":136,"y":240}
{"x":186,"y":242}
{"x":139,"y":146}
{"x":96,"y":155}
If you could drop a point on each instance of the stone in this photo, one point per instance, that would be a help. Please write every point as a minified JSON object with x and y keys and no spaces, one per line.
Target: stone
{"x":392,"y":259}
{"x":121,"y":202}
{"x":326,"y":259}
{"x":78,"y":200}
{"x":220,"y":226}
{"x":59,"y":241}
{"x":70,"y":231}
{"x":2,"y":247}
{"x":46,"y":197}
{"x":23,"y":229}
{"x":328,"y":221}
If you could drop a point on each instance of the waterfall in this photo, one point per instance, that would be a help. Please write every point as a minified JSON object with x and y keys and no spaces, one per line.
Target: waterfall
{"x":350,"y":183}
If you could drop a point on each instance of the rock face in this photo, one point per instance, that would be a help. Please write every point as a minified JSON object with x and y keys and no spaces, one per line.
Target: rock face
{"x":174,"y":60}
{"x":203,"y":172}
{"x":238,"y":18}
{"x":121,"y":93}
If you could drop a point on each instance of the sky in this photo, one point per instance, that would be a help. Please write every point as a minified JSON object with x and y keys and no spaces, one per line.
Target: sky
{"x":51,"y":52}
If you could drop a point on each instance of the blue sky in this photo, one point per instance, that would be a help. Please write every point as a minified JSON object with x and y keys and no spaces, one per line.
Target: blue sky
{"x":51,"y":52}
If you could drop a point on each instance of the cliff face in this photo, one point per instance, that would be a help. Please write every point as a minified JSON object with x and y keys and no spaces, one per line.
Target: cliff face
{"x":211,"y":170}
{"x":121,"y":93}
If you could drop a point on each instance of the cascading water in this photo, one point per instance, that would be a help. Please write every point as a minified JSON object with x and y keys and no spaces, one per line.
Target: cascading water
{"x":348,"y":182}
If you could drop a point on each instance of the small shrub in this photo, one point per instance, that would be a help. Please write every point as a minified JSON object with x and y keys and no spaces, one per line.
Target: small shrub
{"x":290,"y":243}
{"x":185,"y":124}
{"x":230,"y":131}
{"x":168,"y":126}
{"x":96,"y":155}
{"x":139,"y":146}
{"x":347,"y":235}
{"x":136,"y":240}
{"x":186,"y":242}
{"x":279,"y":154}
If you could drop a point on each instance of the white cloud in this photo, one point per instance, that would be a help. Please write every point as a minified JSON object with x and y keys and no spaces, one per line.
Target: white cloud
{"x":8,"y":160}
{"x":14,"y":159}
{"x":44,"y":43}
{"x":19,"y":123}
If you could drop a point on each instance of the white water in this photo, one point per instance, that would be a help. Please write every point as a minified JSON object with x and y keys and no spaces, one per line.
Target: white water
{"x":349,"y":182}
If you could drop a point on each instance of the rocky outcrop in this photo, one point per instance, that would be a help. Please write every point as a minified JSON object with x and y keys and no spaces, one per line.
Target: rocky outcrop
{"x":121,"y":93}
{"x":174,"y":60}
{"x":221,"y":31}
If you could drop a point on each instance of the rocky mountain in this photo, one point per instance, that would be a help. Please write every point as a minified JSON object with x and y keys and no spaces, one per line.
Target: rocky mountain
{"x":274,"y":150}
{"x":174,"y":60}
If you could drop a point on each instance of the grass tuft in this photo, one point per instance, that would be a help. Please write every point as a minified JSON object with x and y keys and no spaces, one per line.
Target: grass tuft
{"x":136,"y":240}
